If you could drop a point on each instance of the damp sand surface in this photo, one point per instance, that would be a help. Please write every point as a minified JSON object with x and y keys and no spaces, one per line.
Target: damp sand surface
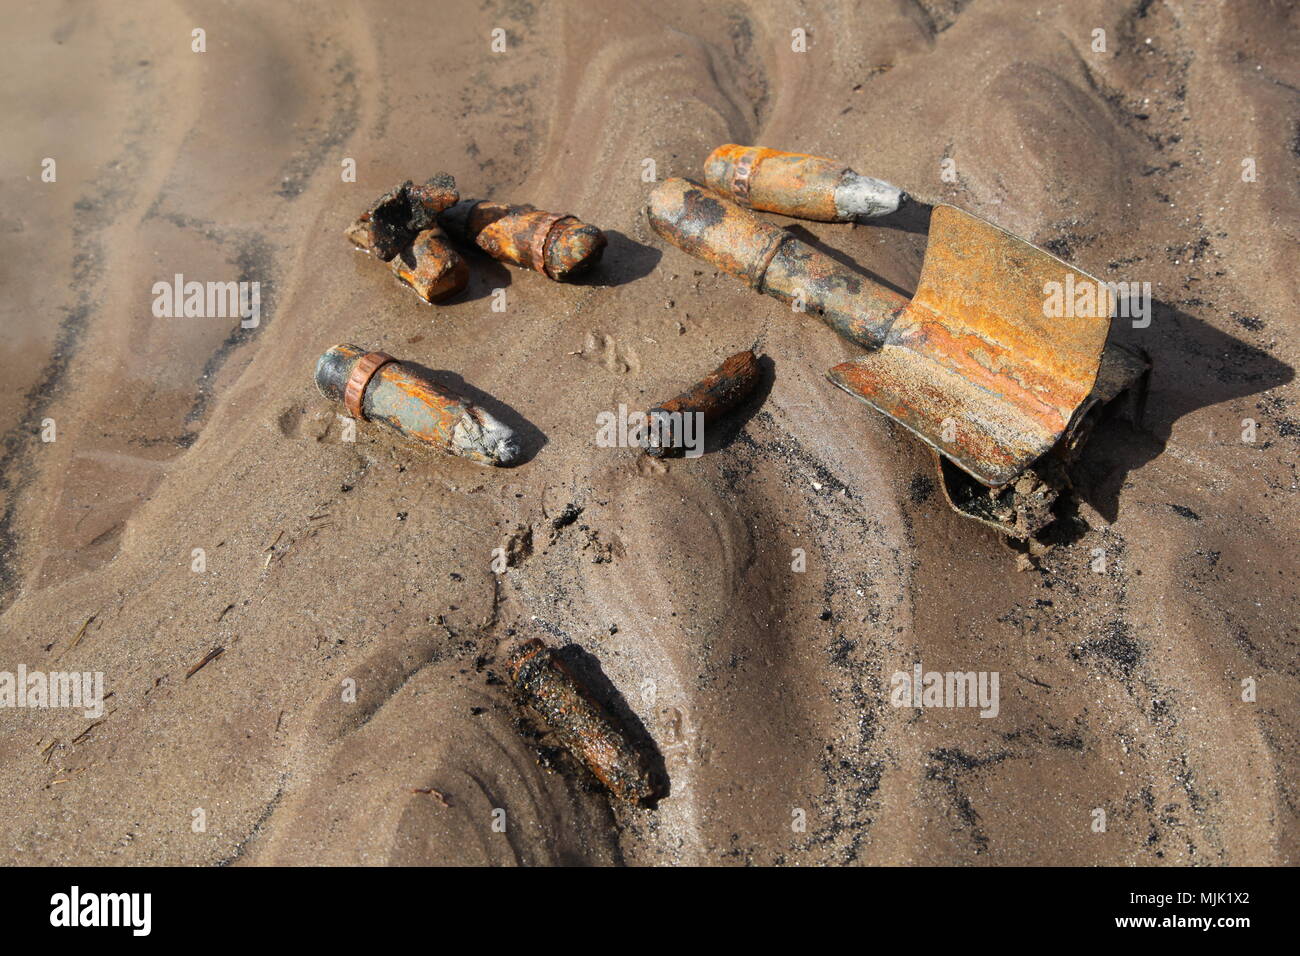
{"x":331,"y":566}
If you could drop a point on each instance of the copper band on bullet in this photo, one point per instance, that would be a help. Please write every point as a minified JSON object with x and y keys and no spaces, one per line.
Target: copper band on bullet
{"x":537,"y":242}
{"x":765,"y":260}
{"x":362,"y":373}
{"x":741,"y":170}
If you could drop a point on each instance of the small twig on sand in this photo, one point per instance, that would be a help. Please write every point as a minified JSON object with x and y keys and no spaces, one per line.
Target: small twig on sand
{"x":436,"y":794}
{"x":1030,"y":680}
{"x":82,"y":735}
{"x":77,"y":639}
{"x":208,"y":658}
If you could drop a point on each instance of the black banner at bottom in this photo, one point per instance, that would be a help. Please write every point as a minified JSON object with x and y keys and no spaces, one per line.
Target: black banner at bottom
{"x":335,"y":905}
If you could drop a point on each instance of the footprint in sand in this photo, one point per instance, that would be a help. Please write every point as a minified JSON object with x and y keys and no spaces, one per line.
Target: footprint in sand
{"x":101,"y":491}
{"x":648,"y":467}
{"x":301,"y":422}
{"x":604,"y":350}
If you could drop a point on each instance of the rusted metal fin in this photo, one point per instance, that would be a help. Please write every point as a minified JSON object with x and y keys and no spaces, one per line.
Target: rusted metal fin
{"x":975,"y":366}
{"x":985,"y":436}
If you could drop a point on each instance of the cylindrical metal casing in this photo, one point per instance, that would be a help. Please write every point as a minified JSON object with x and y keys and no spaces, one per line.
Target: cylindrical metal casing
{"x":581,"y":724}
{"x":722,"y":390}
{"x":560,"y":247}
{"x":771,"y":260}
{"x":404,"y":399}
{"x":797,"y":184}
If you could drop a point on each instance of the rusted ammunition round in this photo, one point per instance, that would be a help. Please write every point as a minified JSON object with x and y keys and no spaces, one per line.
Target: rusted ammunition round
{"x":560,"y":247}
{"x":431,"y":266}
{"x":772,"y":260}
{"x":726,"y":387}
{"x":580,"y":723}
{"x":799,"y":185}
{"x":400,"y":214}
{"x":375,"y":387}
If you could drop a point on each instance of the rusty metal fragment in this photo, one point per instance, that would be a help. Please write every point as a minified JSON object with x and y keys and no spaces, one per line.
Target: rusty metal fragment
{"x":400,"y":214}
{"x":728,"y":386}
{"x":581,"y":724}
{"x":798,"y":185}
{"x":436,"y":194}
{"x":431,"y":266}
{"x":710,"y":227}
{"x":375,"y":387}
{"x":1023,"y":507}
{"x":975,"y":366}
{"x":559,"y":247}
{"x":1018,"y":509}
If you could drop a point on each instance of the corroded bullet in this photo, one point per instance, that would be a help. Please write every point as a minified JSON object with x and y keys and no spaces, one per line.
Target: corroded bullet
{"x":375,"y":387}
{"x":400,"y":214}
{"x":431,"y":267}
{"x":772,"y":261}
{"x":728,"y":386}
{"x":559,"y":247}
{"x":797,"y":184}
{"x":581,"y":724}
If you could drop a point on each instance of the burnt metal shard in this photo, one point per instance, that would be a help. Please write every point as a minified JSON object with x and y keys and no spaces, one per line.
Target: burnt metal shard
{"x":402,"y":213}
{"x":972,"y":365}
{"x":375,"y":387}
{"x":431,"y":266}
{"x":584,"y":727}
{"x":798,"y":185}
{"x":726,"y":387}
{"x":436,"y":194}
{"x":559,"y":247}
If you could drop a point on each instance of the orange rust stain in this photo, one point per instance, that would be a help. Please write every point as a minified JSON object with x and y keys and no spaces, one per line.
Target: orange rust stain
{"x":794,"y":184}
{"x":1030,"y":391}
{"x":983,"y":280}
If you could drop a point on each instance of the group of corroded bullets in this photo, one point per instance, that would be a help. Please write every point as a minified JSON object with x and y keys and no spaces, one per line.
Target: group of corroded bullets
{"x":413,"y":227}
{"x":409,"y":226}
{"x":712,"y":224}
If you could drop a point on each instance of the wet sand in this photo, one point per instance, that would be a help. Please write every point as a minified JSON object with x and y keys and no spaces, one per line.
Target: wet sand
{"x":767,"y":691}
